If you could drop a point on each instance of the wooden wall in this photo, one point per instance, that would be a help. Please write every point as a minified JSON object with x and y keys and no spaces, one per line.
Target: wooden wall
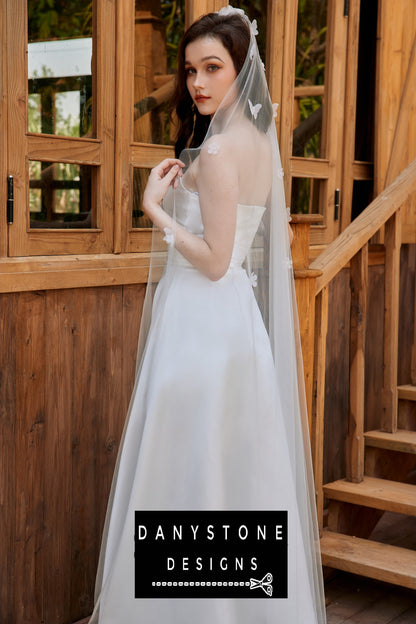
{"x":67,"y":362}
{"x":395,"y":114}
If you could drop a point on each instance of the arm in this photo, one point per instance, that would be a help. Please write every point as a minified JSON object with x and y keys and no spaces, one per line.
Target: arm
{"x":218,"y":194}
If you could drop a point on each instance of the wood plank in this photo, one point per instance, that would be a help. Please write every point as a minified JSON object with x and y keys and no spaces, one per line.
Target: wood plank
{"x":376,"y":493}
{"x":402,"y":440}
{"x":286,"y":103}
{"x":379,"y":561}
{"x":340,"y":251}
{"x":309,"y":167}
{"x":85,"y":430}
{"x":407,"y":392}
{"x":196,"y":8}
{"x":274,"y":54}
{"x":391,"y":322}
{"x":30,"y":464}
{"x":351,"y":72}
{"x":147,"y":155}
{"x":305,"y":299}
{"x":362,"y":170}
{"x":71,"y":150}
{"x":58,"y":443}
{"x":318,"y":401}
{"x":124,"y":108}
{"x":3,"y":128}
{"x":358,"y":318}
{"x":46,"y":273}
{"x":8,"y":427}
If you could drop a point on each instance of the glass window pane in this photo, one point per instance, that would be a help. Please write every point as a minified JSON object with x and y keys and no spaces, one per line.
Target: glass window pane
{"x":60,"y":47}
{"x":309,"y":78}
{"x":139,"y":182}
{"x":60,"y":195}
{"x":307,"y":196}
{"x":158,"y":29}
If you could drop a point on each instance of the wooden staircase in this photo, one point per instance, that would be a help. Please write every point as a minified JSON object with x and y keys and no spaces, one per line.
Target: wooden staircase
{"x":362,"y":556}
{"x":381,"y":464}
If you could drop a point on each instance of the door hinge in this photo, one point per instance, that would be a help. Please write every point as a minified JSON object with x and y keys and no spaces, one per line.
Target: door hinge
{"x":10,"y":199}
{"x":346,"y":8}
{"x":336,"y":204}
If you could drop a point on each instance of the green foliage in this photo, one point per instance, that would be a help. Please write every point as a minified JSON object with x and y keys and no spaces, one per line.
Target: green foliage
{"x":173,"y":14}
{"x":59,"y":19}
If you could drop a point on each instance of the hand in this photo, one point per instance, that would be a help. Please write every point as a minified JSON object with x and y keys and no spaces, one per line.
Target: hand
{"x":161,"y":177}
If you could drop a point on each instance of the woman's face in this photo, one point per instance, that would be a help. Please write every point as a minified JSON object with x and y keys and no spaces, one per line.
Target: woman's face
{"x":210,"y":72}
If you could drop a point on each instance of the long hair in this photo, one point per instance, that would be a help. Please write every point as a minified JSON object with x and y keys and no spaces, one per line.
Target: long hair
{"x":234,"y":35}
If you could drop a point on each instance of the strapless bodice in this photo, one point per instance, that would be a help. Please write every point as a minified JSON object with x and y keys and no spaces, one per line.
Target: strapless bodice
{"x":188,"y":214}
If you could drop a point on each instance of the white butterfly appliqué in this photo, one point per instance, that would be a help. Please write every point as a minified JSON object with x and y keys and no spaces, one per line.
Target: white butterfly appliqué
{"x":254,"y":108}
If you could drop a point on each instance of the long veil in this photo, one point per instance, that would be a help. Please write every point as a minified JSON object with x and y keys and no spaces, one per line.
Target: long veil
{"x":269,"y":267}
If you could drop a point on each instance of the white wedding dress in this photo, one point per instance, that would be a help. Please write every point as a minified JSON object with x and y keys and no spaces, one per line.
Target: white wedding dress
{"x":205,"y":432}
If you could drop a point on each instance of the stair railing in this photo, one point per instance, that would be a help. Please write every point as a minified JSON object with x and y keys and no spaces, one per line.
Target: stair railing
{"x":351,"y":246}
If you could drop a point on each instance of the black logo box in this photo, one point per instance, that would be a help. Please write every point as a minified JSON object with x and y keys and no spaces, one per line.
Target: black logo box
{"x":211,"y":554}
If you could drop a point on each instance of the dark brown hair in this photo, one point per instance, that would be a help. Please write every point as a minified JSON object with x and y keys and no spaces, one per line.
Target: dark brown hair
{"x":234,"y":35}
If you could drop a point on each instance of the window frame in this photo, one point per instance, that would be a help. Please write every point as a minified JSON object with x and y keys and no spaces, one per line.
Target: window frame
{"x":96,"y":152}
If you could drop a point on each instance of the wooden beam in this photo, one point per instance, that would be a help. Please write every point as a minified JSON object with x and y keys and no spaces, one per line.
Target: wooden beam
{"x":124,"y":107}
{"x":196,"y":8}
{"x":318,"y":401}
{"x":4,"y":32}
{"x":358,"y":314}
{"x":391,"y":322}
{"x":71,"y":150}
{"x":340,"y":251}
{"x":351,"y":71}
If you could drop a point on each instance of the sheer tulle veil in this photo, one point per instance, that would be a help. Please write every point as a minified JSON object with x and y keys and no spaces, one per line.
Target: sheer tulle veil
{"x":269,"y":266}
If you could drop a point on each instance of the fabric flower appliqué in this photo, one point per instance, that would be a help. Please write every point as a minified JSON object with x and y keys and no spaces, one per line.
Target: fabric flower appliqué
{"x":254,"y":108}
{"x":289,"y":218}
{"x":275,"y":107}
{"x":169,"y":236}
{"x":253,"y":28}
{"x":229,"y":10}
{"x":280,"y":173}
{"x":213,"y":148}
{"x":253,"y":280}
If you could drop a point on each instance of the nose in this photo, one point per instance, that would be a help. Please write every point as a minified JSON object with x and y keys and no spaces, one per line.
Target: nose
{"x":198,"y":81}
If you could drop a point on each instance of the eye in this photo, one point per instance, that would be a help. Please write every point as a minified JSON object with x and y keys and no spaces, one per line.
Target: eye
{"x":189,"y":71}
{"x":212,"y":68}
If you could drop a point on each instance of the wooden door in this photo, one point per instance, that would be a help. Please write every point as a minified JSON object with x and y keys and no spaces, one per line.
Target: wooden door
{"x":60,"y":127}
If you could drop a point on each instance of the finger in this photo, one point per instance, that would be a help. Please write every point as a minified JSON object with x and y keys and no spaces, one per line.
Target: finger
{"x":172,"y":173}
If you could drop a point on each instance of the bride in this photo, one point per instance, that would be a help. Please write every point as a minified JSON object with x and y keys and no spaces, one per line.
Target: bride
{"x":217,"y":420}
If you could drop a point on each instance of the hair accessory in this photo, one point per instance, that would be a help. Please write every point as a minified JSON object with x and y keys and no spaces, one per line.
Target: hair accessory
{"x":229,"y":10}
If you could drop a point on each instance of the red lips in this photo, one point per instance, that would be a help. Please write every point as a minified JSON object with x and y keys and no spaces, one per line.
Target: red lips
{"x":201,"y":98}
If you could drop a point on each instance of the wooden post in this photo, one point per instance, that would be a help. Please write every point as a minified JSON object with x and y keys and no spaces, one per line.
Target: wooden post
{"x":196,"y":8}
{"x":355,"y":441}
{"x":305,"y":296}
{"x":391,"y":322}
{"x":318,"y":400}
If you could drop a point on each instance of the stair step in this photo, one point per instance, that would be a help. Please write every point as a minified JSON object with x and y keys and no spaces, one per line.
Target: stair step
{"x":403,"y":440}
{"x":373,"y":559}
{"x":375,"y":493}
{"x":407,"y":392}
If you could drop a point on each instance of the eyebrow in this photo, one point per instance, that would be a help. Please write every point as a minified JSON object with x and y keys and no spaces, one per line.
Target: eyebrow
{"x":206,"y":58}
